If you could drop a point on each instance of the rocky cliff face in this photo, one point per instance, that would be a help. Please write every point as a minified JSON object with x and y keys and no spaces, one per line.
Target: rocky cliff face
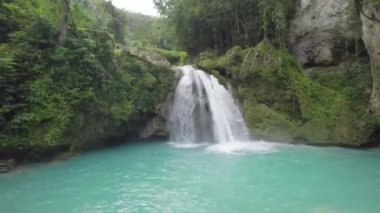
{"x":157,"y":127}
{"x":371,"y":36}
{"x":280,"y":102}
{"x":320,"y":31}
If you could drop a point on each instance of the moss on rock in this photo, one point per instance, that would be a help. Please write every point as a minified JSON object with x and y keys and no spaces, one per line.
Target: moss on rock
{"x":266,"y":123}
{"x":207,"y":61}
{"x":282,"y":103}
{"x":174,"y":57}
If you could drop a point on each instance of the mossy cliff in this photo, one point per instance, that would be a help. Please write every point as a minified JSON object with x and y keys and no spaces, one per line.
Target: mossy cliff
{"x":72,"y":95}
{"x":281,"y":103}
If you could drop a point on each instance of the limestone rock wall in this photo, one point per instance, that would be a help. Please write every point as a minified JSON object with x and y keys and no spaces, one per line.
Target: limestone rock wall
{"x":320,"y":30}
{"x":371,"y":38}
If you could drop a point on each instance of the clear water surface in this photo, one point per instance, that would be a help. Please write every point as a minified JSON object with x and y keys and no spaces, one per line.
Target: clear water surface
{"x":160,"y":177}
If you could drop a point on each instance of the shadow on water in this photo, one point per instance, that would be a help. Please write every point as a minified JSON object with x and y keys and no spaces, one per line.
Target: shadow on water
{"x":16,"y":159}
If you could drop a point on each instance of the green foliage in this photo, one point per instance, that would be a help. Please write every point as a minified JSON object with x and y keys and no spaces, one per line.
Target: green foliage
{"x":53,"y":95}
{"x":116,"y":24}
{"x":353,"y":81}
{"x":207,"y":61}
{"x":221,"y":24}
{"x":11,"y":18}
{"x":174,"y":57}
{"x":274,"y":16}
{"x":147,"y":31}
{"x":267,"y":123}
{"x":282,"y":103}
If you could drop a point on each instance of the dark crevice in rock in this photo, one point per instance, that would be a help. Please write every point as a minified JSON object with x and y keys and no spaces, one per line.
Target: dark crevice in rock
{"x":374,"y":140}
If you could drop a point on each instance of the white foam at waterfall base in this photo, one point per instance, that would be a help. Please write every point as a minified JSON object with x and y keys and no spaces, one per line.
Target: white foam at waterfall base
{"x":188,"y":145}
{"x":232,"y":148}
{"x":238,"y":147}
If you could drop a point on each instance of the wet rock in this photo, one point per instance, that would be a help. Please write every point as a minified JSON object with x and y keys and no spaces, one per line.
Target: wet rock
{"x":6,"y":165}
{"x":155,"y":127}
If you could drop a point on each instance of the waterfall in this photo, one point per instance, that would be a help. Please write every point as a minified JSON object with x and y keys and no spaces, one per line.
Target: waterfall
{"x":204,"y":111}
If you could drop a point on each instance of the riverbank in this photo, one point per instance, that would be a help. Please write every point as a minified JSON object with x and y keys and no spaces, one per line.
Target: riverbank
{"x":13,"y":163}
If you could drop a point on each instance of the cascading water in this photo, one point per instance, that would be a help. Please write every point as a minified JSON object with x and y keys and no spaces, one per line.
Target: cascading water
{"x":204,"y":111}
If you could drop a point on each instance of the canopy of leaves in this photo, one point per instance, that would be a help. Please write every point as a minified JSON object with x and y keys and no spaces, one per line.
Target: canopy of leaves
{"x":221,"y":24}
{"x":49,"y":91}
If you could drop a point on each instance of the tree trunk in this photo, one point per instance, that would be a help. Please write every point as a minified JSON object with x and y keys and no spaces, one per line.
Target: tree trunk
{"x":371,"y":31}
{"x":64,"y":21}
{"x":215,"y":38}
{"x":356,"y":47}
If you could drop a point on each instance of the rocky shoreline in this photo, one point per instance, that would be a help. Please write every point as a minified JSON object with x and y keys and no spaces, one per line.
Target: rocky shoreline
{"x":7,"y":165}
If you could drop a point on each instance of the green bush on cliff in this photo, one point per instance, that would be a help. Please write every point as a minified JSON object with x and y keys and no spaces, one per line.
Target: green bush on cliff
{"x":282,"y":103}
{"x":174,"y":57}
{"x":353,"y":81}
{"x":53,"y":95}
{"x":207,"y":61}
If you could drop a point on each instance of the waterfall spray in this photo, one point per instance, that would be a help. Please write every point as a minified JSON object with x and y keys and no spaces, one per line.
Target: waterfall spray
{"x":204,"y":111}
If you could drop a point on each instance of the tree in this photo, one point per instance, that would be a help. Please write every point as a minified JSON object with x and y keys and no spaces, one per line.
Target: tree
{"x":65,"y":9}
{"x":220,"y":24}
